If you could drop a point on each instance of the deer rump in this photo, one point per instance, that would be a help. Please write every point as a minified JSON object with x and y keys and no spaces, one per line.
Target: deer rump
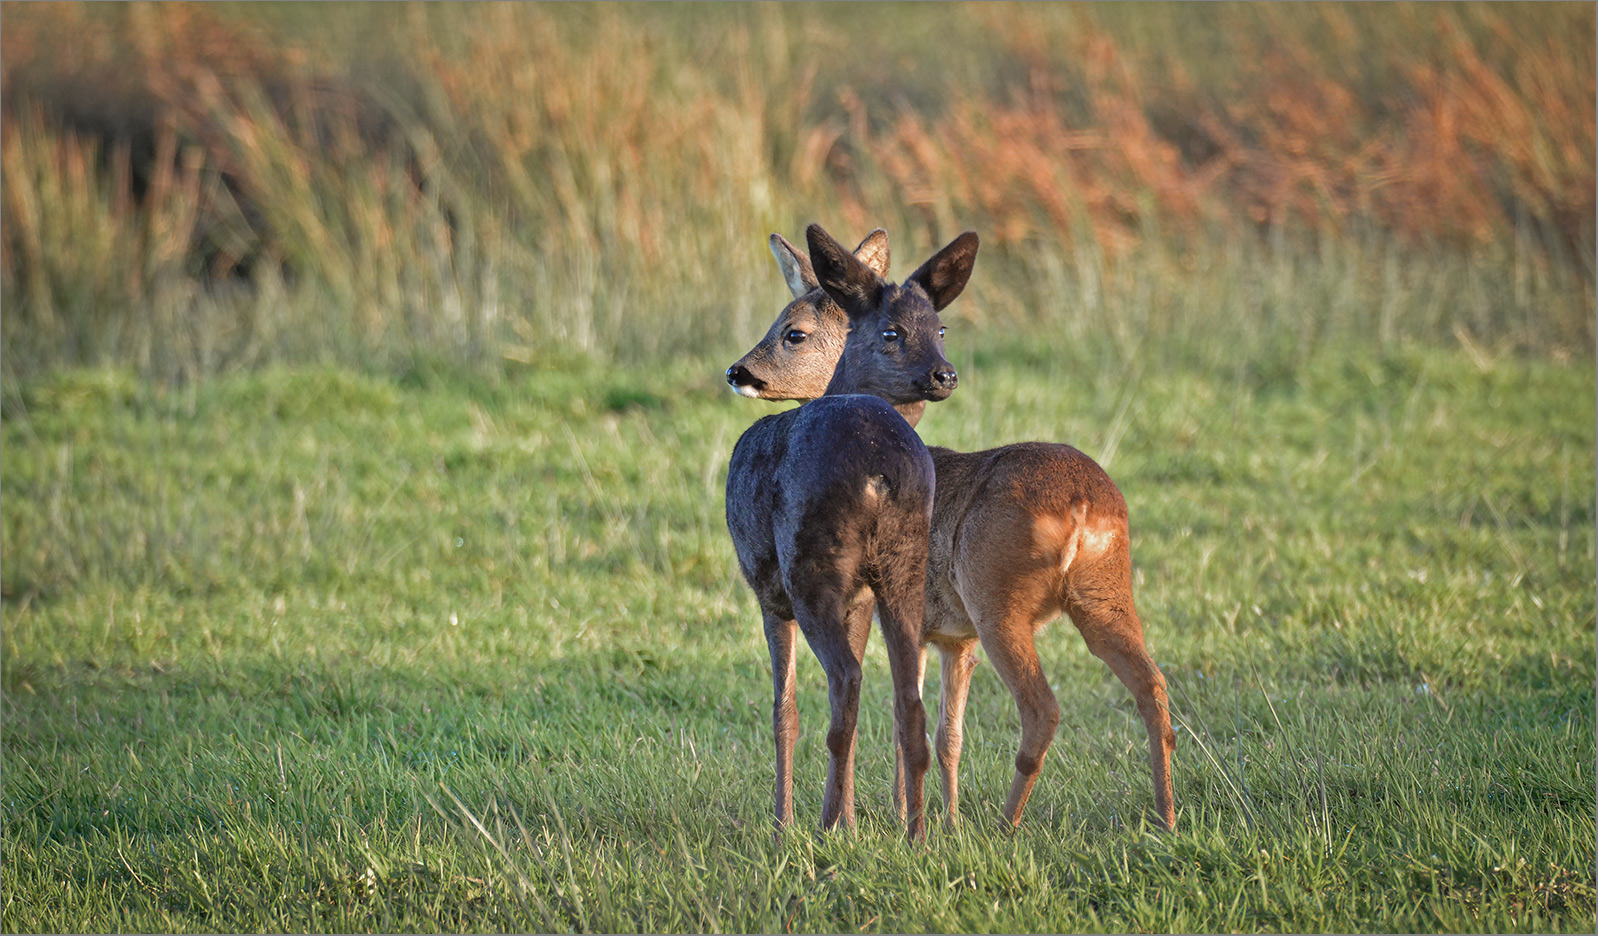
{"x":864,"y":476}
{"x":1034,"y":509}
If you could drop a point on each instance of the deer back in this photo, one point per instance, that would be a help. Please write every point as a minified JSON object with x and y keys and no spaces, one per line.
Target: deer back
{"x":846,"y":471}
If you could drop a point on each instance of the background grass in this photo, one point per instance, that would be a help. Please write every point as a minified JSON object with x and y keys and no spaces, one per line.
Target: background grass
{"x":362,"y":562}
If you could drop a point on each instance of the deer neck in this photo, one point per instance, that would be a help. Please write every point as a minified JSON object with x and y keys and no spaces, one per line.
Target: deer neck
{"x":911,"y":411}
{"x":844,"y":382}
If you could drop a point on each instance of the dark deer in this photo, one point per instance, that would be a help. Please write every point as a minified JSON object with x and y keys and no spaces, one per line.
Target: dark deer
{"x":830,"y":506}
{"x":1019,"y":534}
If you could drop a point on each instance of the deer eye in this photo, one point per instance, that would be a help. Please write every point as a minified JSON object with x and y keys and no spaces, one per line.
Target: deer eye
{"x":890,"y":334}
{"x":794,"y":336}
{"x":941,"y":330}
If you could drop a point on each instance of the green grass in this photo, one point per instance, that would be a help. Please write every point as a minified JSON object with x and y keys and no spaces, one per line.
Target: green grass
{"x":314,"y":650}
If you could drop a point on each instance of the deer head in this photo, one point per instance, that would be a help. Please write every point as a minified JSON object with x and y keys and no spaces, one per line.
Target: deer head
{"x":895,"y":349}
{"x":796,"y":359}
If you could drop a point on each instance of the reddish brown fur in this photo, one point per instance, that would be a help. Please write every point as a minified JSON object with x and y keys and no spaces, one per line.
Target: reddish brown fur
{"x":1020,"y":534}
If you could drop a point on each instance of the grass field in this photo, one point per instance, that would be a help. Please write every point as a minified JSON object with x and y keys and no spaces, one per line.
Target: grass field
{"x":362,"y":561}
{"x":314,"y":650}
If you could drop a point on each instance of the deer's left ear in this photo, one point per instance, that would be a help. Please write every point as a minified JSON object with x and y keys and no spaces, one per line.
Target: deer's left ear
{"x":795,"y":266}
{"x":945,"y":275}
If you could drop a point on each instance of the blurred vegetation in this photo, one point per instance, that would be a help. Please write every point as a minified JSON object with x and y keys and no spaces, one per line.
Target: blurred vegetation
{"x":193,"y":189}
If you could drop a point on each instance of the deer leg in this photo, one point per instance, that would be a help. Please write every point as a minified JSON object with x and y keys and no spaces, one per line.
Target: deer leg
{"x":1115,"y":635}
{"x":843,"y":694}
{"x":1014,"y":656}
{"x":781,"y":639}
{"x":859,"y":623}
{"x":901,"y":602}
{"x":898,"y":750}
{"x":822,"y":619}
{"x":958,"y":660}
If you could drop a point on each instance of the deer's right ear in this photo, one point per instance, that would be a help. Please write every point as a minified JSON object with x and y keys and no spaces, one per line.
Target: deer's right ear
{"x":873,"y":252}
{"x":796,"y":271}
{"x":850,"y":283}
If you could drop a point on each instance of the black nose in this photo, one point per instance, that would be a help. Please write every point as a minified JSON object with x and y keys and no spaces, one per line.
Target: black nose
{"x":945,"y":379}
{"x":739,"y":376}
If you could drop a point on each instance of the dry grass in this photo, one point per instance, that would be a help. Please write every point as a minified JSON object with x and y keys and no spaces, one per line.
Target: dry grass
{"x":190,"y":189}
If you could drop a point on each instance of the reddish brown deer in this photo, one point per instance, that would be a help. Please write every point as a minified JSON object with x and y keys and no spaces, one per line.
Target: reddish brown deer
{"x":1019,"y":534}
{"x":830,"y":505}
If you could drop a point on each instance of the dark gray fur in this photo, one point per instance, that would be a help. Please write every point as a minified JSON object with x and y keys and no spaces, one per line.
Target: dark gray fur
{"x":830,"y":505}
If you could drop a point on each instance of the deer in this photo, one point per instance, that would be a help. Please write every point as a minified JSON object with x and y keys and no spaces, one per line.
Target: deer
{"x":1020,"y":533}
{"x":830,"y":507}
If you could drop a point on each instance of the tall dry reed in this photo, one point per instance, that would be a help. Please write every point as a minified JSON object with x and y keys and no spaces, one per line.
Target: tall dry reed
{"x":189,"y":189}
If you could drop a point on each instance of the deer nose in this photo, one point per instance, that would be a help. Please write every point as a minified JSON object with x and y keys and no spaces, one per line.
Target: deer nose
{"x":739,"y":376}
{"x":945,"y":378}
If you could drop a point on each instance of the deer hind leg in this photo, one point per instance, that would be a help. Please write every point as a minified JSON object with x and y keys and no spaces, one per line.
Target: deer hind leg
{"x":899,"y":809}
{"x":901,"y":602}
{"x":958,"y":660}
{"x":781,"y":638}
{"x":858,"y":619}
{"x":819,"y":607}
{"x":1115,"y":635}
{"x":859,"y":623}
{"x":1009,"y":645}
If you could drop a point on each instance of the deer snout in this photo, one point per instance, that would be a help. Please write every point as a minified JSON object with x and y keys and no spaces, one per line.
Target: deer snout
{"x":743,"y":382}
{"x":941,"y":382}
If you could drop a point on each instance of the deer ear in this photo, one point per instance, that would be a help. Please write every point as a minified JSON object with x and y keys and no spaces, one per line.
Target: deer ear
{"x":795,"y":266}
{"x":873,"y":252}
{"x":850,"y":283}
{"x":945,"y":275}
